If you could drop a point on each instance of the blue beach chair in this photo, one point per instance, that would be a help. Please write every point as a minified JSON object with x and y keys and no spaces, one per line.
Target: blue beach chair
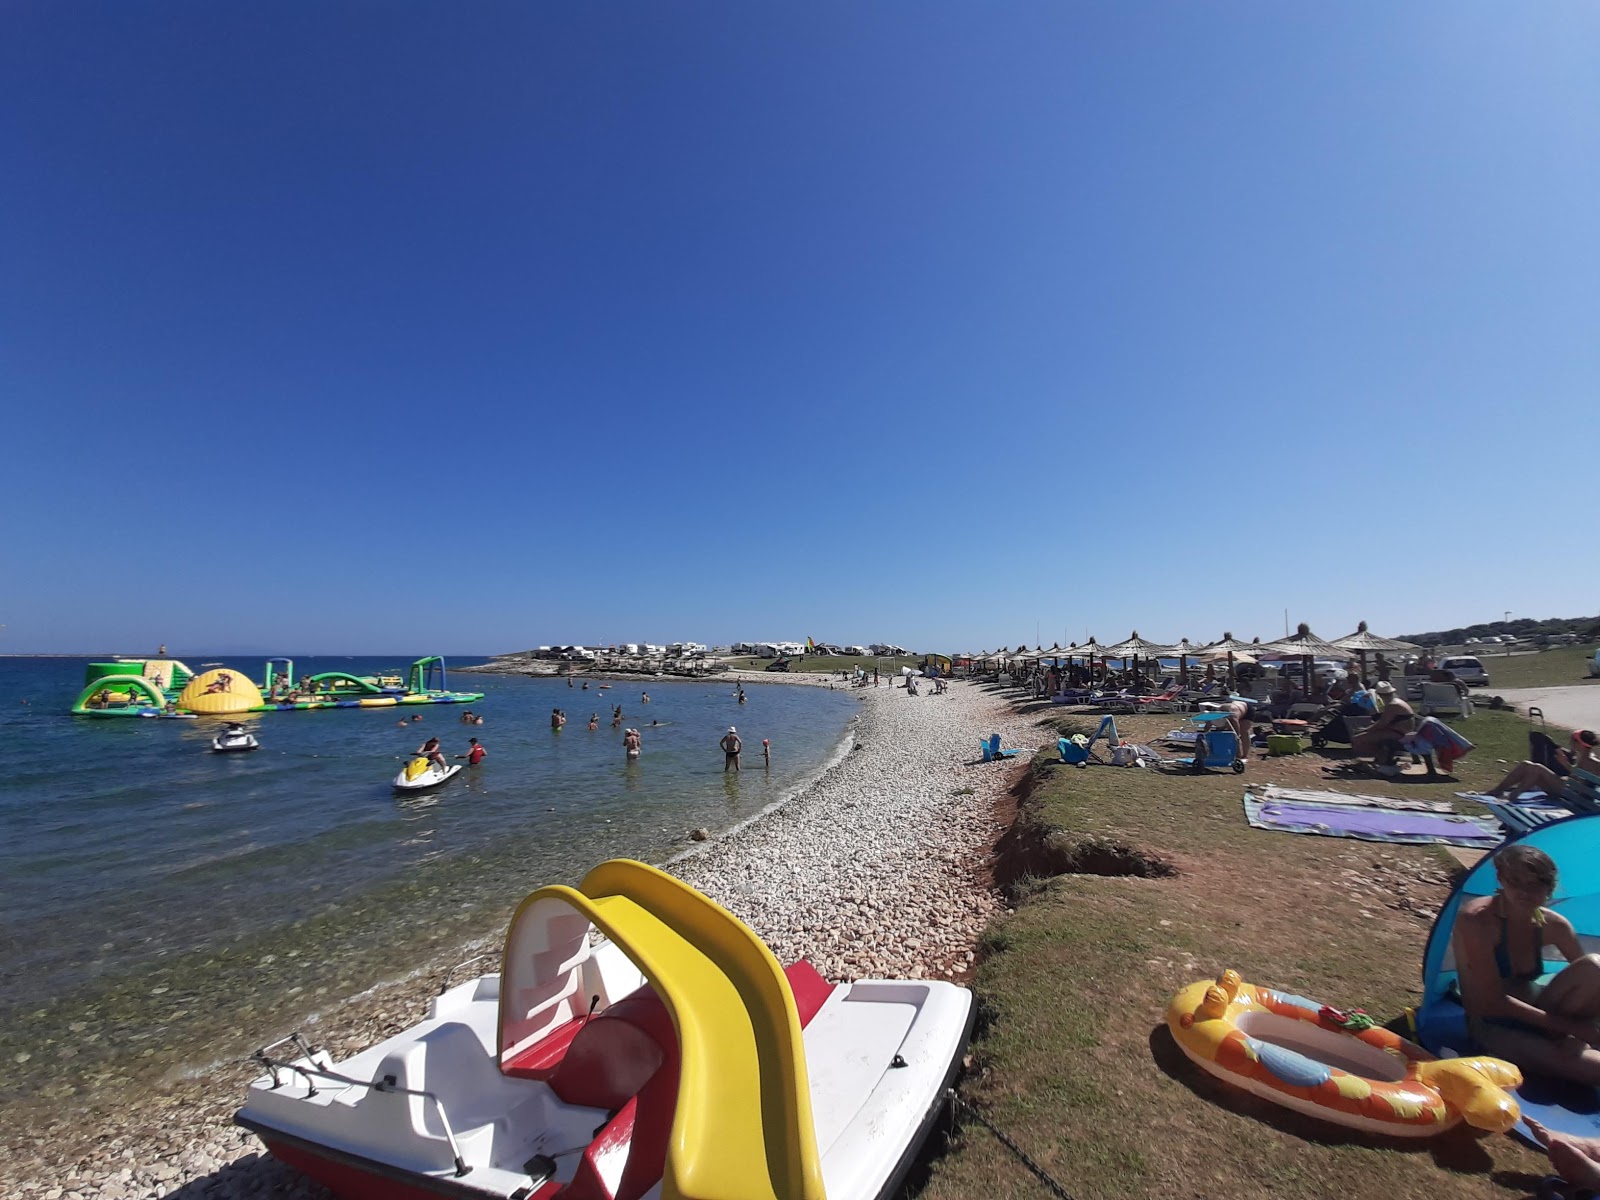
{"x":1216,"y":748}
{"x":991,"y":748}
{"x":1082,"y":755}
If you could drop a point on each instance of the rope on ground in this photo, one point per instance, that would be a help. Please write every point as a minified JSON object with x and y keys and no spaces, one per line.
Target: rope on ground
{"x":961,"y":1102}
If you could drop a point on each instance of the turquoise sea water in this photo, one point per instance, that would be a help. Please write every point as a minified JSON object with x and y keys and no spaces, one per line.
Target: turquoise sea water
{"x":166,"y":907}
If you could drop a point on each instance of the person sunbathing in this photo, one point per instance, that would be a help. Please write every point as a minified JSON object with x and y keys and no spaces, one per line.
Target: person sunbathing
{"x":1545,"y":1026}
{"x":1529,"y":776}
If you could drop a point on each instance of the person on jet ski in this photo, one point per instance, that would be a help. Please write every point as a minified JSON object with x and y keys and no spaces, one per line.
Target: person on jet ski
{"x":430,"y":751}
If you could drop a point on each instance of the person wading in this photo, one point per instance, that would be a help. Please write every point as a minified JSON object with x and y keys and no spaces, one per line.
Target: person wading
{"x":731,"y":746}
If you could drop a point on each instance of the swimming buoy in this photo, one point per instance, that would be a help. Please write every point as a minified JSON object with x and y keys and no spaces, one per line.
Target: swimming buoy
{"x":1341,"y":1067}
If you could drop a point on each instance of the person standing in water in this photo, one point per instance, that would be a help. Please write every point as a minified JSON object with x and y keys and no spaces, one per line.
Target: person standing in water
{"x":594,"y":722}
{"x":731,"y":746}
{"x":644,"y":698}
{"x":630,"y":744}
{"x":766,"y":752}
{"x":557,"y":718}
{"x":475,"y":755}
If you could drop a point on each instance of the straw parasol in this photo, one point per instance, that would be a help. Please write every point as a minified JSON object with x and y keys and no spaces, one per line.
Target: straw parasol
{"x":1363,"y":641}
{"x":1307,"y":646}
{"x":1087,"y":652}
{"x":1184,"y":650}
{"x":1230,"y":648}
{"x":1136,"y":648}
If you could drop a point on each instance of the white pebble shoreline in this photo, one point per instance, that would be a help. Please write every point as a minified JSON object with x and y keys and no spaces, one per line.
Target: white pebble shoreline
{"x":874,"y":870}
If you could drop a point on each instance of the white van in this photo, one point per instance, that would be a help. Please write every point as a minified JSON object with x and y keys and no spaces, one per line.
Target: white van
{"x":1467,"y":669}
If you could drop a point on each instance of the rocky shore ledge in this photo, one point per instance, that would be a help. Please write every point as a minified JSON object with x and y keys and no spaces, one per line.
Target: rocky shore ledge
{"x":879,"y":868}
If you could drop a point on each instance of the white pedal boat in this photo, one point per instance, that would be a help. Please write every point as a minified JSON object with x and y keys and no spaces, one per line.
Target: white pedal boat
{"x":233,"y":743}
{"x":640,"y":1042}
{"x":413,"y":779}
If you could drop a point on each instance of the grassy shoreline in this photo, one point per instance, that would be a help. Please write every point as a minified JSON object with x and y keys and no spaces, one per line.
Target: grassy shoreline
{"x":1075,"y":1062}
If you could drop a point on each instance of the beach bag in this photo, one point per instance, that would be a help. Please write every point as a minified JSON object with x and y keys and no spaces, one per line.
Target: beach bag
{"x":1124,"y":755}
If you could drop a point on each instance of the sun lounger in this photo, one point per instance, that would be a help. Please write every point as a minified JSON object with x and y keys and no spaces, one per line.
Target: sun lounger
{"x":1519,"y":818}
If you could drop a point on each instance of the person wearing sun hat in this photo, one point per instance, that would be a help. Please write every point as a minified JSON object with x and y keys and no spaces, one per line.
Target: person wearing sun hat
{"x":731,"y":746}
{"x":1530,"y":776}
{"x":1395,"y":719}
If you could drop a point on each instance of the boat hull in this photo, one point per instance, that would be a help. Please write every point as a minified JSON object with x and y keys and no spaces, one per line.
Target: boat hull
{"x":426,"y":782}
{"x":871,"y":1130}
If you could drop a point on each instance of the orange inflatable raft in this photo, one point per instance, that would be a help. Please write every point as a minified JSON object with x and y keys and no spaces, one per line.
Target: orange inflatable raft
{"x":1336,"y":1066}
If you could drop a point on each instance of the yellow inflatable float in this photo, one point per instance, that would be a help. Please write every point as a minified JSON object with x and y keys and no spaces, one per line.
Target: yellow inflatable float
{"x":1338,"y":1066}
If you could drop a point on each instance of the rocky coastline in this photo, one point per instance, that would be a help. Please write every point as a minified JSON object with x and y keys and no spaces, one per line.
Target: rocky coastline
{"x":879,"y":868}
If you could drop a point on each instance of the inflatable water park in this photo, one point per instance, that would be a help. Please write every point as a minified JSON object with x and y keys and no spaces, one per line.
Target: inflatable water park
{"x":166,"y":687}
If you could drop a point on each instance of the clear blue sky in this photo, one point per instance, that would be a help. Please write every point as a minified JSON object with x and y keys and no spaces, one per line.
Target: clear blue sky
{"x":465,"y":327}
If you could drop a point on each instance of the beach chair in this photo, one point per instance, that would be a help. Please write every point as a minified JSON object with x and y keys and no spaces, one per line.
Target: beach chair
{"x":1582,"y":792}
{"x":1074,"y":696}
{"x":1167,"y":701}
{"x":1214,"y":749}
{"x":1198,"y":724}
{"x":1441,"y":698}
{"x":990,"y":746}
{"x":1081,"y":754}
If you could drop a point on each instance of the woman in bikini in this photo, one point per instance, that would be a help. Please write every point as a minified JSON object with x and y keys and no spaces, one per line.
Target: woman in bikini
{"x":1545,"y":1024}
{"x":1536,"y":777}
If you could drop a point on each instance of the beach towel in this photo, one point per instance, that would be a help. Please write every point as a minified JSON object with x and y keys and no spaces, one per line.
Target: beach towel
{"x":1317,"y":796}
{"x":1373,"y":823}
{"x":1434,"y":737}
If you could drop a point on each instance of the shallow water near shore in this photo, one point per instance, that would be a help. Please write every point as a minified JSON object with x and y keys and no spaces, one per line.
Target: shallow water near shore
{"x":167,"y":907}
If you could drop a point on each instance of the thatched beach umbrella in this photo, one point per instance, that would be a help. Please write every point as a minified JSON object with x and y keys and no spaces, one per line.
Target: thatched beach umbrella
{"x":1227,"y":647}
{"x":1136,"y":648}
{"x":1363,"y":641}
{"x":1183,"y":650}
{"x":1307,"y":646}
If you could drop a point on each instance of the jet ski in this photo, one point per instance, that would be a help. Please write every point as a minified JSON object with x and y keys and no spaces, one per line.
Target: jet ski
{"x":232,"y":741}
{"x":422,"y":775}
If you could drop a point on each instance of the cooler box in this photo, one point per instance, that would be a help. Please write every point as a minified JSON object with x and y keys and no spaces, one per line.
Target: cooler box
{"x":1285,"y":743}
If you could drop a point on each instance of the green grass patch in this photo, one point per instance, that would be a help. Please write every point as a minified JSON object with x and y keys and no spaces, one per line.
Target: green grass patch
{"x":1075,"y":1062}
{"x":1559,"y":666}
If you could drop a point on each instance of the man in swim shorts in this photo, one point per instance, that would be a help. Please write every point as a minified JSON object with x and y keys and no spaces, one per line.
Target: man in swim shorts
{"x":731,"y":746}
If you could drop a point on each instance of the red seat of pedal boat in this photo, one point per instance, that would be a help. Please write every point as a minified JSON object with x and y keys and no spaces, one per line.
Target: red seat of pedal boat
{"x":540,"y":1060}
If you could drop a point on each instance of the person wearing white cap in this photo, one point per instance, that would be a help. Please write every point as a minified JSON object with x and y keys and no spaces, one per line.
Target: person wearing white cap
{"x":1384,"y":736}
{"x":731,"y":745}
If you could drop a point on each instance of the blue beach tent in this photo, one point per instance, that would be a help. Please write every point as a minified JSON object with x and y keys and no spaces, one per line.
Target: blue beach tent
{"x":1574,"y":844}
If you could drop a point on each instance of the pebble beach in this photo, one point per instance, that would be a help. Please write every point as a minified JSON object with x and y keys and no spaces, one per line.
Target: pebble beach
{"x":876,"y":869}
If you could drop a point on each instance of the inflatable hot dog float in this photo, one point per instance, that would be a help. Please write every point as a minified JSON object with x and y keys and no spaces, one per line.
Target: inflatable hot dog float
{"x":1336,"y":1066}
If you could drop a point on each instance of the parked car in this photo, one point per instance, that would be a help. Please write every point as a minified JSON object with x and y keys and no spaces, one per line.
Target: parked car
{"x":1467,"y":669}
{"x":778,"y":664}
